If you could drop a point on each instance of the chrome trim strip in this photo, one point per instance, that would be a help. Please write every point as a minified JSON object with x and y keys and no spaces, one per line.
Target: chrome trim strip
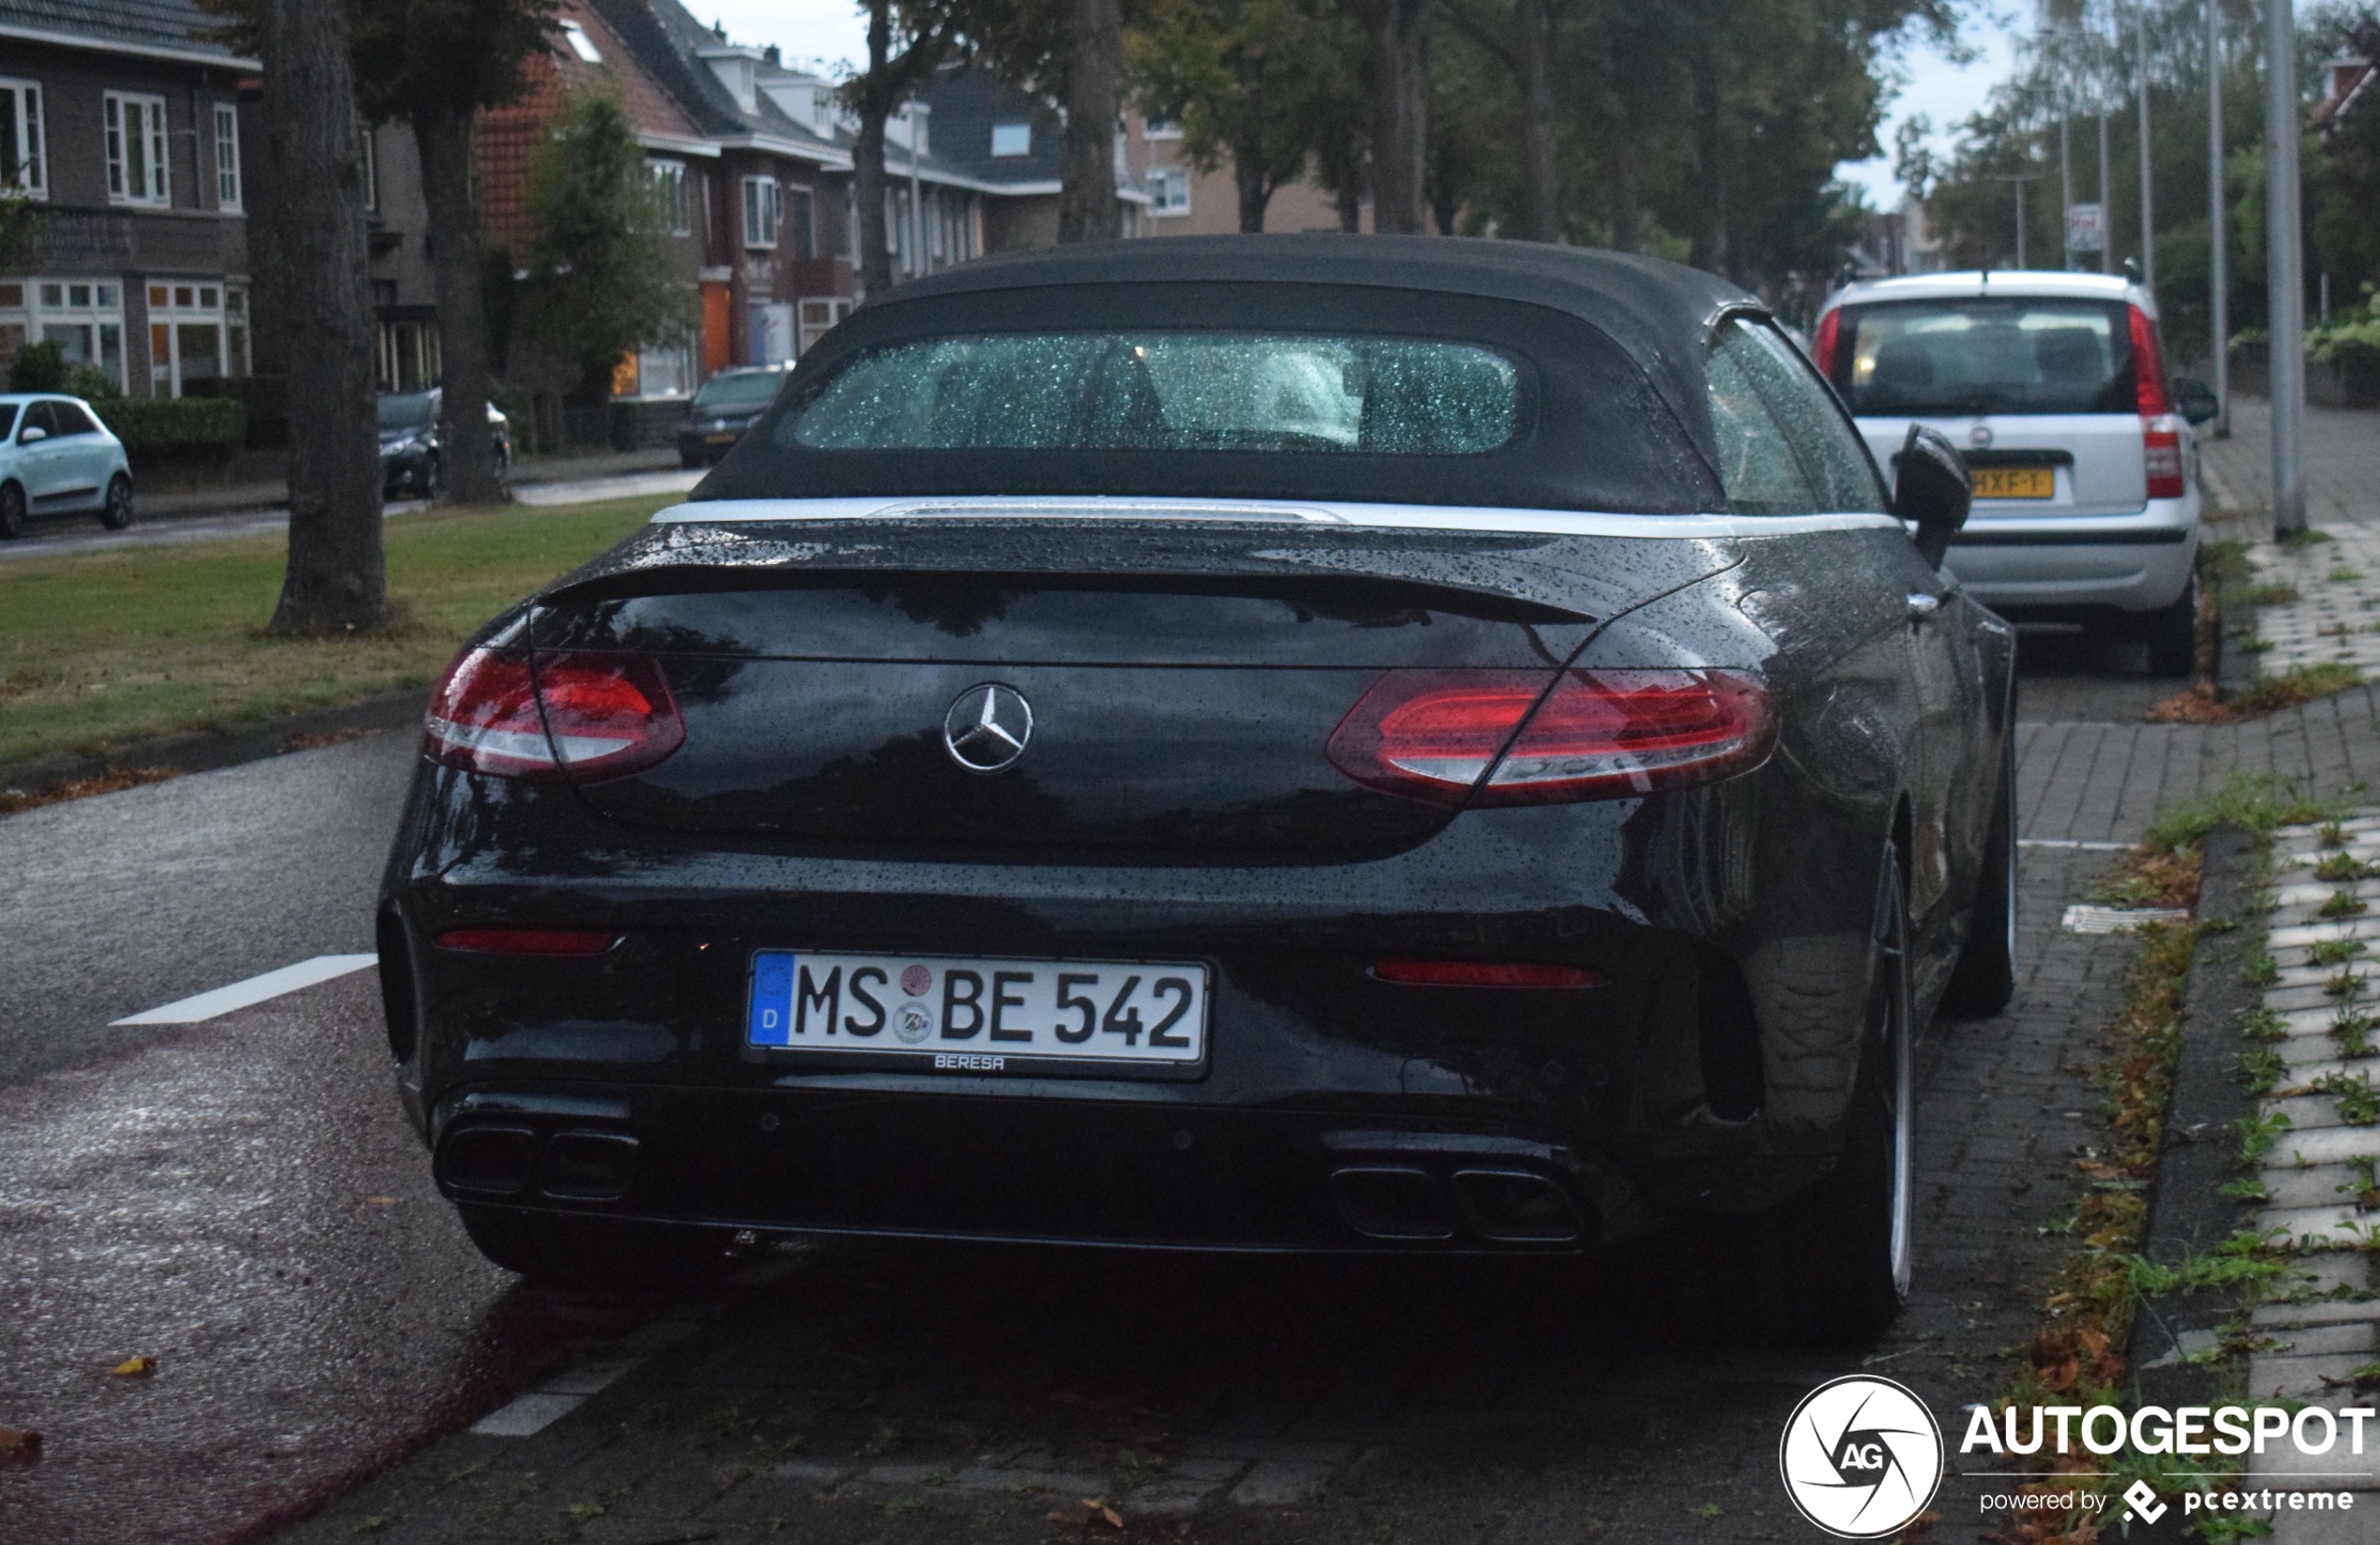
{"x":1426,"y":517}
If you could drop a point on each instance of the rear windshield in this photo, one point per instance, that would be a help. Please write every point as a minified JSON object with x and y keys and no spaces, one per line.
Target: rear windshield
{"x":411,"y":412}
{"x":756,"y":386}
{"x":1956,"y":357}
{"x":1165,"y":391}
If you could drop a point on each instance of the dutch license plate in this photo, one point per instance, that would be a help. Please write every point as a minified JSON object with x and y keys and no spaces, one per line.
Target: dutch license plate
{"x":2016,"y":483}
{"x":969,"y":1014}
{"x":719,"y":439}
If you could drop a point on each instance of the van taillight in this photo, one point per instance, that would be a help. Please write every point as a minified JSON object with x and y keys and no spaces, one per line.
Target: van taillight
{"x":580,"y":716}
{"x":1486,"y":737}
{"x":1830,"y":329}
{"x":2161,"y":448}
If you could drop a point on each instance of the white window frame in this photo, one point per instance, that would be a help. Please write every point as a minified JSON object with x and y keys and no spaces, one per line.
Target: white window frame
{"x":368,"y":141}
{"x":674,"y":190}
{"x":42,"y":302}
{"x":156,"y":191}
{"x":763,"y":212}
{"x":1169,"y":191}
{"x":226,"y":155}
{"x":33,"y":177}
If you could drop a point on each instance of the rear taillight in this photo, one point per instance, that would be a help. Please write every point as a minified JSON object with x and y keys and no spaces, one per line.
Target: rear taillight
{"x":526,"y":940}
{"x":1486,"y":736}
{"x":2161,"y":448}
{"x":1484,"y":973}
{"x":581,"y":715}
{"x":2147,"y":367}
{"x":1830,"y":329}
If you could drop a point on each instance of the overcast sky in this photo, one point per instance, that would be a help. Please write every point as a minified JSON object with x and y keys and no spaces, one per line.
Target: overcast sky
{"x":831,"y":30}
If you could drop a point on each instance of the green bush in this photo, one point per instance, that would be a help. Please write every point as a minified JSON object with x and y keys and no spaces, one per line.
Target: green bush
{"x":90,"y":383}
{"x":39,"y":367}
{"x":265,"y":397}
{"x":172,"y":424}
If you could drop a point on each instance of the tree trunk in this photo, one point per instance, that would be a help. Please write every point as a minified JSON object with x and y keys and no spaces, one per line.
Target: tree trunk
{"x":1400,"y":141}
{"x":337,"y":580}
{"x":875,"y":105}
{"x":466,"y":451}
{"x":1087,"y":207}
{"x":1541,"y":194}
{"x":1709,"y":251}
{"x":1624,"y":204}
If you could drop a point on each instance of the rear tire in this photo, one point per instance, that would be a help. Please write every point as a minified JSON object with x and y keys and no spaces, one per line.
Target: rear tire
{"x":2172,"y":634}
{"x":117,"y":513}
{"x":1831,"y":1268}
{"x":11,"y":512}
{"x":613,"y":1254}
{"x":1986,"y":978}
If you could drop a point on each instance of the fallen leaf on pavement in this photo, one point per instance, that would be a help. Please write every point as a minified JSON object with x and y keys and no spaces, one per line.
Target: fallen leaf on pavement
{"x":135,"y":1368}
{"x":1099,"y":1505}
{"x":382,"y":1201}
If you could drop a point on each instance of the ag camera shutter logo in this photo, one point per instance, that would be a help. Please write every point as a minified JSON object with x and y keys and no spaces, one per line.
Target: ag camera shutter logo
{"x":1861,"y":1457}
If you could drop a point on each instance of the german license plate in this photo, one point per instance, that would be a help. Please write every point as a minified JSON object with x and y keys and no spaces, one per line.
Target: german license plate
{"x":969,"y":1014}
{"x":2016,"y":483}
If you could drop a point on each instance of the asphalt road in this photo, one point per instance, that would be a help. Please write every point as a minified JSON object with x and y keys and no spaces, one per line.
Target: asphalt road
{"x":239,"y":1200}
{"x":118,"y":904}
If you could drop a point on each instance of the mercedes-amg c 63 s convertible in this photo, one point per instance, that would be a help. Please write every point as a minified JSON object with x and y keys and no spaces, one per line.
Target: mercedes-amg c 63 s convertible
{"x":1260,"y":743}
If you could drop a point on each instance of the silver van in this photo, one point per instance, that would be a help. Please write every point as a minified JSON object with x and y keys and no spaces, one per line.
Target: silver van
{"x":2053,"y":386}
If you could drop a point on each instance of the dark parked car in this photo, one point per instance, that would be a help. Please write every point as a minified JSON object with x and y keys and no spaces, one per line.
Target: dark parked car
{"x":1276,"y":743}
{"x":723,"y":408}
{"x":409,"y":437}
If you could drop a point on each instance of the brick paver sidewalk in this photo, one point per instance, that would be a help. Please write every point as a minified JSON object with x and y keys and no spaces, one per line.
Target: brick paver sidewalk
{"x":2337,"y":615}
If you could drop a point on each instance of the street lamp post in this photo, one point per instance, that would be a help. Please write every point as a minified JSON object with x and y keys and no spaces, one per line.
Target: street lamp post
{"x":2219,"y":241}
{"x":2284,"y":269}
{"x":2147,"y":204}
{"x":2020,"y":182}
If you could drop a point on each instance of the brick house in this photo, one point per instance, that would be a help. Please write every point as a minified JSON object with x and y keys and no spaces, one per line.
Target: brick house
{"x":124,"y":126}
{"x":1186,"y":202}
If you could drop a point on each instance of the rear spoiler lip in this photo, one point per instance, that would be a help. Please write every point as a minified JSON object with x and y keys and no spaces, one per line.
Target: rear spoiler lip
{"x":1465,"y":519}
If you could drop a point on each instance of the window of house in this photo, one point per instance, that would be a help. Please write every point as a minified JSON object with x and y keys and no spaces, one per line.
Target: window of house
{"x":1161,"y":128}
{"x":582,"y":45}
{"x":804,"y":234}
{"x":761,"y":212}
{"x":671,"y":192}
{"x":368,"y":155}
{"x":22,"y":164}
{"x":1169,"y":191}
{"x":226,"y":155}
{"x":137,"y":171}
{"x":1012,"y":139}
{"x":197,"y":331}
{"x":84,"y":318}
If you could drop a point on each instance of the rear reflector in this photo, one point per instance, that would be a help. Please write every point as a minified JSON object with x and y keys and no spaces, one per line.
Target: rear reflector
{"x":584,"y":716}
{"x":1483,"y":973}
{"x":2161,"y":448}
{"x":1598,"y":735}
{"x":526,"y":941}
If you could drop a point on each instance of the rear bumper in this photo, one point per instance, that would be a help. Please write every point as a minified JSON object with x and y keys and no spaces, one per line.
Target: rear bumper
{"x":1039,"y":1171}
{"x":2133,"y":563}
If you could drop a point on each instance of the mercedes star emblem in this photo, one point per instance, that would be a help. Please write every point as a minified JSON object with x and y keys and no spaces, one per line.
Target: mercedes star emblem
{"x":987,"y":728}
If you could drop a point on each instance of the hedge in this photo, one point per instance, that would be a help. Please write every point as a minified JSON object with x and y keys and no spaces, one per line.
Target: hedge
{"x":266,"y":398}
{"x":176,"y":424}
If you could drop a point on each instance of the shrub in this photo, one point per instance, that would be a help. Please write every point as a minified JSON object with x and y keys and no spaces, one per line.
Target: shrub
{"x":39,"y":367}
{"x":91,"y":383}
{"x":175,"y":424}
{"x":265,"y":397}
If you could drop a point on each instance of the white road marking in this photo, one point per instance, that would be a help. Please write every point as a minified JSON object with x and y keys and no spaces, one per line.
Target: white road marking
{"x":528,"y":1415}
{"x":2071,"y":845}
{"x":255,"y":989}
{"x":2118,"y":919}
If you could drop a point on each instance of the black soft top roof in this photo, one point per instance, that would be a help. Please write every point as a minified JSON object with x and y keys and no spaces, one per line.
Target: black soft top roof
{"x":1622,"y":418}
{"x":1659,"y":312}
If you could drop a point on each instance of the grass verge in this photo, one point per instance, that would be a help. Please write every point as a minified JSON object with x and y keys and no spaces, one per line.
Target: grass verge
{"x":97,"y":649}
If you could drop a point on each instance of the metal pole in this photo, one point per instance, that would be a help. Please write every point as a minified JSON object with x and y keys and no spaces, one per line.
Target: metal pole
{"x":2148,"y":202}
{"x":2020,"y":222}
{"x":2284,"y":269}
{"x":2219,"y":240}
{"x":2107,"y":206}
{"x":2065,"y":183}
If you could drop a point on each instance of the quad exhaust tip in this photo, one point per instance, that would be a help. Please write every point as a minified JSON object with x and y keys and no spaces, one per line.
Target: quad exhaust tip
{"x":1411,"y":1204}
{"x":506,"y":1161}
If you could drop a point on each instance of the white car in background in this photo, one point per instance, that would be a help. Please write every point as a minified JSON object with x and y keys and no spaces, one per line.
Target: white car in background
{"x":2053,"y":387}
{"x":57,"y":458}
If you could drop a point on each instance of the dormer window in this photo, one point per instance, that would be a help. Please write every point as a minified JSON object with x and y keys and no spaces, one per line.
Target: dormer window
{"x":1012,"y":139}
{"x":582,"y":45}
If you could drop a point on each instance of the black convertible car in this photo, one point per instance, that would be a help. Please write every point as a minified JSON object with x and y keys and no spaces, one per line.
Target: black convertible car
{"x":1264,"y":743}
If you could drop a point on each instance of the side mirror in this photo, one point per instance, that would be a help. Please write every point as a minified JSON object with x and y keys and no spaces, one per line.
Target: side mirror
{"x":2194,"y":399}
{"x":1930,"y":487}
{"x":31,"y":435}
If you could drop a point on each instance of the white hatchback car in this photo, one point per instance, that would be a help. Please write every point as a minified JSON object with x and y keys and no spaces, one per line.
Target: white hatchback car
{"x":56,"y":458}
{"x":2053,"y":386}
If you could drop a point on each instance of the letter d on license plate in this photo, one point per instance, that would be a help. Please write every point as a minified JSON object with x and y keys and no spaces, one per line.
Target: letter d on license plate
{"x":968,"y":1013}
